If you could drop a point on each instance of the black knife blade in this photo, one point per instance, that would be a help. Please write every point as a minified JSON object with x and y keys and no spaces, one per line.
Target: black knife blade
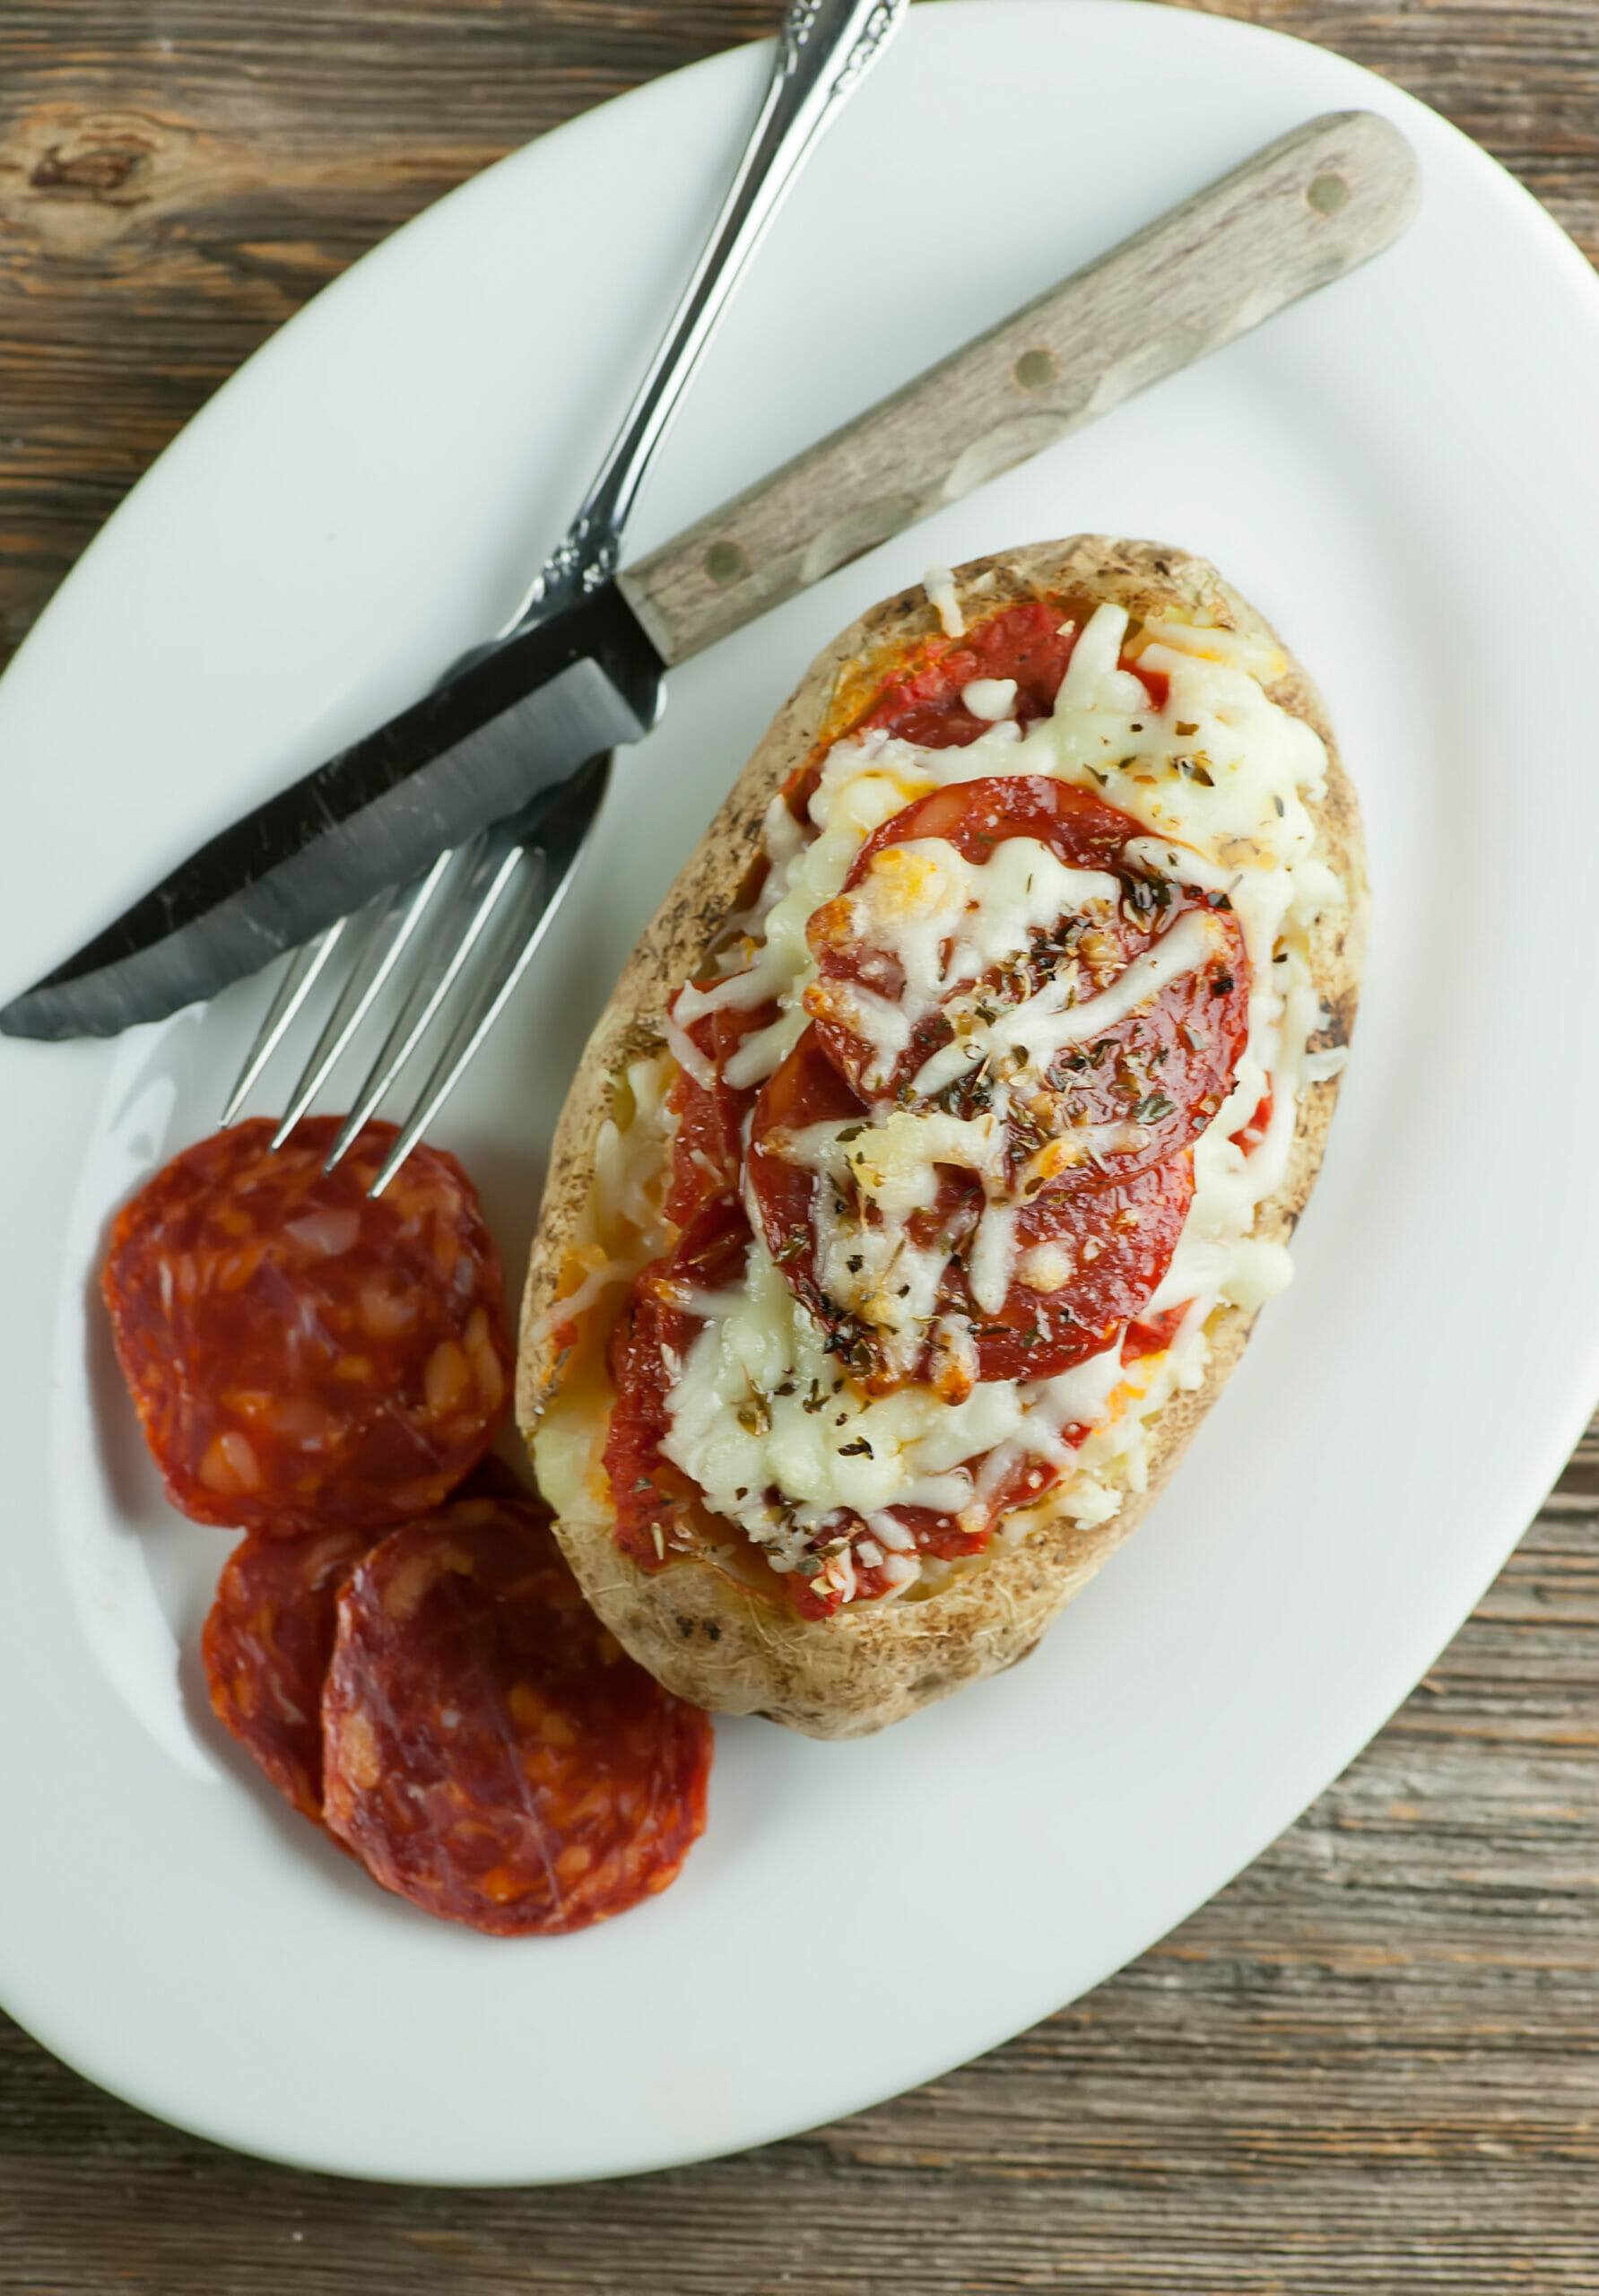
{"x":511,"y":721}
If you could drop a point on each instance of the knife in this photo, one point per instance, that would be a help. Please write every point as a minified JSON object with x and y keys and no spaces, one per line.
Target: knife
{"x":494,"y":741}
{"x":584,"y":669}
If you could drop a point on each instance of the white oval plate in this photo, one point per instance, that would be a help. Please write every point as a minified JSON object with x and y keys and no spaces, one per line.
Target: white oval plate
{"x":1402,"y":473}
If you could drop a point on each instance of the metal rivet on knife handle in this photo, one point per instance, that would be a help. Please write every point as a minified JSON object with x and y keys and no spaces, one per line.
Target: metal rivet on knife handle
{"x":1299,"y":214}
{"x":1036,"y":370}
{"x":726,"y":562}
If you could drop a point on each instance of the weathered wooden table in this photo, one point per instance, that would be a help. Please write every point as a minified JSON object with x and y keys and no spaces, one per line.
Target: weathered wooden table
{"x":1372,"y":2063}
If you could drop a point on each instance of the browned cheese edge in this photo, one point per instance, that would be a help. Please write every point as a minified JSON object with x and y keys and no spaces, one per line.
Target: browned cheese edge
{"x":706,"y":1637}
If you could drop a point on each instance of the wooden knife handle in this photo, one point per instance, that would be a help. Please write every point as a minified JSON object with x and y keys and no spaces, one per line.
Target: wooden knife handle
{"x":1295,"y":216}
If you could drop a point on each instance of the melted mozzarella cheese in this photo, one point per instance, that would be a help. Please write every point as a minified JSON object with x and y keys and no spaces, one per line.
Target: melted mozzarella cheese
{"x":761,"y":1404}
{"x":939,"y":584}
{"x":871,"y":1263}
{"x":1041,"y":1030}
{"x":623,"y":1225}
{"x":948,"y":922}
{"x":991,"y":1263}
{"x":778,"y":1437}
{"x":990,"y":698}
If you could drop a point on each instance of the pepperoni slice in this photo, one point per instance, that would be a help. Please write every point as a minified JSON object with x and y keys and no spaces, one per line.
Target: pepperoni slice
{"x":491,"y":1754}
{"x":974,"y":816}
{"x":1031,"y":643}
{"x":266,"y":1644}
{"x":1027,"y":642}
{"x":708,"y":1139}
{"x":656,"y":1505}
{"x":303,"y":1358}
{"x":1089,"y":1259}
{"x":1086,"y":1257}
{"x":1142,"y":1087}
{"x":804,"y":1090}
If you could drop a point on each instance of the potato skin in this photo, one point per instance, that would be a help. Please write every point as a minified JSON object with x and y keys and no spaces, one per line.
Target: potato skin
{"x":707,"y":1636}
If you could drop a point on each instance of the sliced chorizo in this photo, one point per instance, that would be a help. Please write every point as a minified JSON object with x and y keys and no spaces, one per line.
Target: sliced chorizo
{"x":491,"y":1752}
{"x":302,"y":1357}
{"x":266,"y":1644}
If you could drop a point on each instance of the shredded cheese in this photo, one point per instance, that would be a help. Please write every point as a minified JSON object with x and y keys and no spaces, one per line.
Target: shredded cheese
{"x":940,"y":585}
{"x":622,"y":1226}
{"x":1219,"y":778}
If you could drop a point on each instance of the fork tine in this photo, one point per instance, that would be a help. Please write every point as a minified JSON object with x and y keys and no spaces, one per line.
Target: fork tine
{"x":490,"y":863}
{"x":300,"y":978}
{"x":528,"y":916}
{"x":550,"y":855}
{"x":382,"y":933}
{"x":517,"y":895}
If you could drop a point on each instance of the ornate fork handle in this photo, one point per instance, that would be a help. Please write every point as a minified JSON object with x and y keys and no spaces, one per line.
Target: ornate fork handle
{"x":824,"y":48}
{"x":804,"y":23}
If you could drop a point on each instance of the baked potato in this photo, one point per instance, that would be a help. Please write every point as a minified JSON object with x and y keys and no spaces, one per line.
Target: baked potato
{"x":923,"y":1176}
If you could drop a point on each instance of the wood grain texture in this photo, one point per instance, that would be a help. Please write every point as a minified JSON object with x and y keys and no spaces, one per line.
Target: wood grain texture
{"x":1370,"y":2064}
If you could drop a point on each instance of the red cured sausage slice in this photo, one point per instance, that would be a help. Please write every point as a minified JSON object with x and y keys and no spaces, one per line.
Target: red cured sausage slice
{"x":1155,"y":1077}
{"x":301,"y":1357}
{"x":708,"y":1139}
{"x":266,"y":1644}
{"x":1026,"y":642}
{"x":491,"y":1754}
{"x":1111,"y":1244}
{"x":268,"y":1637}
{"x":1030,"y":643}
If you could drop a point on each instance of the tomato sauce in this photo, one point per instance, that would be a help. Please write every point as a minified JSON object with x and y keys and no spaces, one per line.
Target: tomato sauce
{"x":1249,"y":1136}
{"x":710,"y":1119}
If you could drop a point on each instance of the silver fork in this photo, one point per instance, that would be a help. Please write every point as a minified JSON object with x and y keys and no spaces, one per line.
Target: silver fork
{"x":438,"y":959}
